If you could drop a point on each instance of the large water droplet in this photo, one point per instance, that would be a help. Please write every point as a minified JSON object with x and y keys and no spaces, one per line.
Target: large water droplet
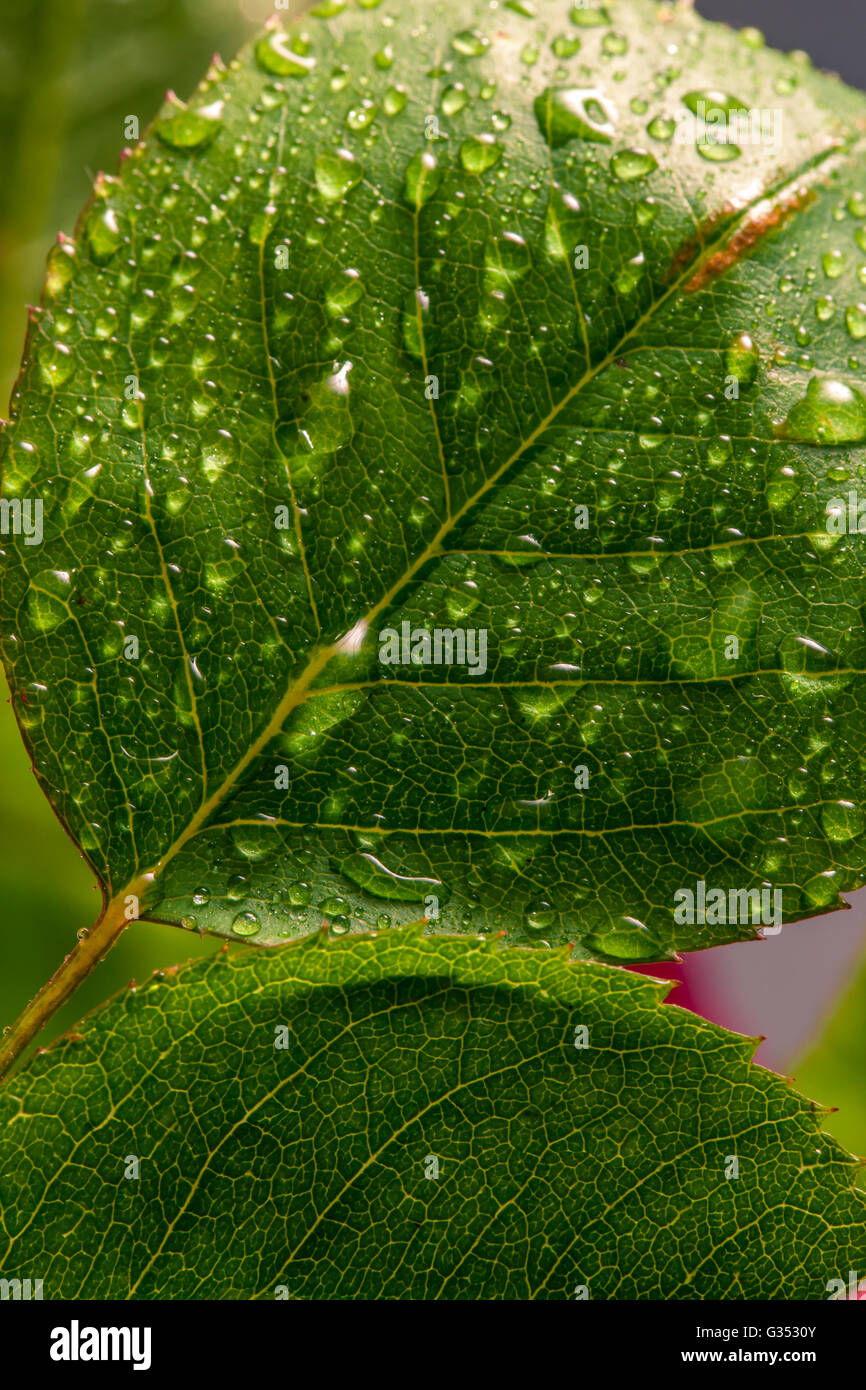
{"x":370,"y":874}
{"x":628,"y":939}
{"x":337,"y":172}
{"x":422,"y":179}
{"x":718,"y":151}
{"x":741,"y":359}
{"x":470,"y":43}
{"x":246,"y":924}
{"x":275,"y":54}
{"x":589,"y":16}
{"x":454,"y":99}
{"x":842,"y":821}
{"x":342,"y":292}
{"x":574,"y":113}
{"x":707,"y":101}
{"x":830,"y":413}
{"x":628,"y":165}
{"x":662,"y":127}
{"x":103,"y":233}
{"x":479,"y":155}
{"x":539,"y":916}
{"x":191,"y":130}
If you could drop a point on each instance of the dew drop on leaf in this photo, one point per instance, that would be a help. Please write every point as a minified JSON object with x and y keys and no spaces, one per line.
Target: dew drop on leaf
{"x":830,"y":413}
{"x":191,"y":130}
{"x":246,"y":924}
{"x":336,"y":172}
{"x":742,"y":359}
{"x":275,"y":55}
{"x":628,"y":165}
{"x":479,"y":155}
{"x":470,"y":43}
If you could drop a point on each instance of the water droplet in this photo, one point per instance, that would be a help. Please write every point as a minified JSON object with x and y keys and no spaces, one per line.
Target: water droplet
{"x":342,"y":292}
{"x":589,"y":16}
{"x":246,"y":924}
{"x":566,"y":45}
{"x":539,"y":916}
{"x":337,"y":172}
{"x":238,"y":887}
{"x":255,"y":842}
{"x":416,"y":306}
{"x":742,"y":359}
{"x":830,"y":413}
{"x":717,"y":151}
{"x":334,"y":906}
{"x":103,"y":233}
{"x":662,"y":127}
{"x":632,"y":164}
{"x":646,"y":211}
{"x":842,"y":821}
{"x":706,"y":101}
{"x":470,"y":43}
{"x":479,"y":155}
{"x":370,"y":874}
{"x":191,"y":130}
{"x":614,"y":45}
{"x":572,"y":113}
{"x":454,"y":99}
{"x":394,"y":101}
{"x":833,"y":264}
{"x":363,"y":115}
{"x":422,"y":179}
{"x":56,"y":363}
{"x":823,"y":889}
{"x":629,"y":939}
{"x":60,"y":267}
{"x":855,"y":321}
{"x":201,"y":897}
{"x":275,"y":54}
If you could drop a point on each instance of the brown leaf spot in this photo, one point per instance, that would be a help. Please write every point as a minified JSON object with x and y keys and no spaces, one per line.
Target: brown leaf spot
{"x":747,"y":237}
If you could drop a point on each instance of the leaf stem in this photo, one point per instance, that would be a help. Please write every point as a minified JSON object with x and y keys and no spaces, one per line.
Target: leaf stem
{"x":73,"y":971}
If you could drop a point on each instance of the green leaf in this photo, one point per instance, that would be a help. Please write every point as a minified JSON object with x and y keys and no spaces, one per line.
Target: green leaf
{"x":229,"y":408}
{"x":326,"y":1085}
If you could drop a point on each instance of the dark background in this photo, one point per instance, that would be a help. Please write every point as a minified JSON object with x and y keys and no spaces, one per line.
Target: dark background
{"x":833,"y":32}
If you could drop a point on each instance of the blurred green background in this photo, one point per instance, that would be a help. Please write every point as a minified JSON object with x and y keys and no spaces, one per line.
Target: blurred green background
{"x":70,"y":73}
